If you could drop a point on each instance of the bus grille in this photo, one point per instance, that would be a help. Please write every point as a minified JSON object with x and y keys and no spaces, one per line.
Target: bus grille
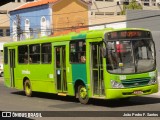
{"x":129,"y":83}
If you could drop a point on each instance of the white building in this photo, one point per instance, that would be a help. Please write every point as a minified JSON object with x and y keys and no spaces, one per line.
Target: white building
{"x":106,"y":11}
{"x":109,"y":12}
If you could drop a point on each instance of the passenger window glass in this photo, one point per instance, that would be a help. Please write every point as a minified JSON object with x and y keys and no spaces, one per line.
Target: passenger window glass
{"x":23,"y":54}
{"x":46,"y":53}
{"x":78,"y":52}
{"x":34,"y":53}
{"x":5,"y":55}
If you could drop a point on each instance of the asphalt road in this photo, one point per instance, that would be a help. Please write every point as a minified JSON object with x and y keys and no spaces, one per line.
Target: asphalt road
{"x":14,"y":100}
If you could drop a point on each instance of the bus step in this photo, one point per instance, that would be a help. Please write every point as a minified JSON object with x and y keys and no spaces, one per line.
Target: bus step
{"x":98,"y":97}
{"x":62,"y":94}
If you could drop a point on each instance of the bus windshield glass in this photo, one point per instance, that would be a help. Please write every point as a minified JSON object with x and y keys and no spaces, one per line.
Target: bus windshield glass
{"x":130,"y":56}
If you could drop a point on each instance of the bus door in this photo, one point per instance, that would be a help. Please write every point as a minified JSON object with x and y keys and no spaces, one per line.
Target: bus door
{"x":12,"y":66}
{"x":60,"y":69}
{"x":97,"y":69}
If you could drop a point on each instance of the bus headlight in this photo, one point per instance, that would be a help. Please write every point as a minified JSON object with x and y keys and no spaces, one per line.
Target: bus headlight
{"x":152,"y":81}
{"x":116,"y":84}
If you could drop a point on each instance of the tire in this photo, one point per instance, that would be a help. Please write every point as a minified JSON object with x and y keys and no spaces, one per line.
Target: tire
{"x":82,"y":94}
{"x":28,"y":88}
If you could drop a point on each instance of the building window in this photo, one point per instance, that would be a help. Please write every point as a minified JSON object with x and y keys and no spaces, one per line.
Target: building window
{"x":146,"y":4}
{"x":46,"y":53}
{"x":8,"y":32}
{"x":109,"y":13}
{"x":43,"y":26}
{"x":78,"y":51}
{"x":27,"y":26}
{"x":118,"y":13}
{"x":1,"y":32}
{"x":99,"y":13}
{"x":110,"y":0}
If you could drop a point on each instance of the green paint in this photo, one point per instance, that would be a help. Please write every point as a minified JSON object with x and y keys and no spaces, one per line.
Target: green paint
{"x":79,"y":73}
{"x":79,"y":36}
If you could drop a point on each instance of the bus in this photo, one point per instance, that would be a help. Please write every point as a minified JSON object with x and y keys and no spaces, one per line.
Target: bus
{"x":100,"y":64}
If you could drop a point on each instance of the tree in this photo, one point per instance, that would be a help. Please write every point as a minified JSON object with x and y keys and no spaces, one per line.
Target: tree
{"x":133,"y":5}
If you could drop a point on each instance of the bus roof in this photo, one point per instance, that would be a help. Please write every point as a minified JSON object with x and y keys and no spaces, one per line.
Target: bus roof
{"x":71,"y":36}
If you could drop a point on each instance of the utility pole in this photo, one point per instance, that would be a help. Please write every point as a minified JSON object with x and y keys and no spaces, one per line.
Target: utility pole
{"x":18,"y":27}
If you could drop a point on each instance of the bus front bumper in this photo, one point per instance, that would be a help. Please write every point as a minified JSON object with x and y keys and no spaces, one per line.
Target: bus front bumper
{"x":130,"y":92}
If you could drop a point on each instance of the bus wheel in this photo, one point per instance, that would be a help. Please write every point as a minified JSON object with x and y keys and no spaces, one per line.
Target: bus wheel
{"x":82,"y":94}
{"x":27,"y":88}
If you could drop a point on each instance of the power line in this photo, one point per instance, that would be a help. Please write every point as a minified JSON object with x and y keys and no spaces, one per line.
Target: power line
{"x":76,"y":27}
{"x":4,"y":22}
{"x":109,"y":23}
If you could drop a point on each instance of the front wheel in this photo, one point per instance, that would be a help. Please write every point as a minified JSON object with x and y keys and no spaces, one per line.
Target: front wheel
{"x":82,"y":94}
{"x":27,"y":88}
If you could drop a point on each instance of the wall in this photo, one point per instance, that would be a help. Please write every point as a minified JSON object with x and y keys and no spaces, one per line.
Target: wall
{"x":69,"y":19}
{"x":103,"y":8}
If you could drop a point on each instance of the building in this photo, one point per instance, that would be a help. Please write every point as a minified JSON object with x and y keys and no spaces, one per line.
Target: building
{"x":146,"y":4}
{"x":5,"y":22}
{"x":107,"y":12}
{"x":5,"y":18}
{"x":48,"y":17}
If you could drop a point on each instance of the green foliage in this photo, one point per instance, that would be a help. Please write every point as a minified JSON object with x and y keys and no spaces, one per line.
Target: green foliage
{"x":133,"y":5}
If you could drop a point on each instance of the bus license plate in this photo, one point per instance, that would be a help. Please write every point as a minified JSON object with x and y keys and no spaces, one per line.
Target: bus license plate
{"x":138,"y":92}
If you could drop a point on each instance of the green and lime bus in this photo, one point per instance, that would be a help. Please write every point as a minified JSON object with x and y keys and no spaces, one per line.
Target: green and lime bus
{"x":103,"y":64}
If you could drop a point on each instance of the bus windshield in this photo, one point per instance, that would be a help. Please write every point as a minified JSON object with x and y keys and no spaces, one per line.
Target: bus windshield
{"x":130,"y":56}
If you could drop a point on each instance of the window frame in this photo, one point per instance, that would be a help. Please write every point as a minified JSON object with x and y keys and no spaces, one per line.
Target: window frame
{"x":5,"y":55}
{"x":33,"y":54}
{"x":8,"y":32}
{"x":1,"y":33}
{"x":46,"y":53}
{"x":43,"y":26}
{"x":23,"y":55}
{"x":79,"y":61}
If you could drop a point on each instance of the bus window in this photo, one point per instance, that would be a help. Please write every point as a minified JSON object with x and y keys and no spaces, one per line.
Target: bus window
{"x":78,"y":52}
{"x":5,"y":55}
{"x":23,"y":54}
{"x":46,"y":53}
{"x":34,"y":53}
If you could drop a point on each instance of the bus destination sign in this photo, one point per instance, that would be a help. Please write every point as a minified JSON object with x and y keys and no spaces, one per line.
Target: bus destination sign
{"x":128,"y":34}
